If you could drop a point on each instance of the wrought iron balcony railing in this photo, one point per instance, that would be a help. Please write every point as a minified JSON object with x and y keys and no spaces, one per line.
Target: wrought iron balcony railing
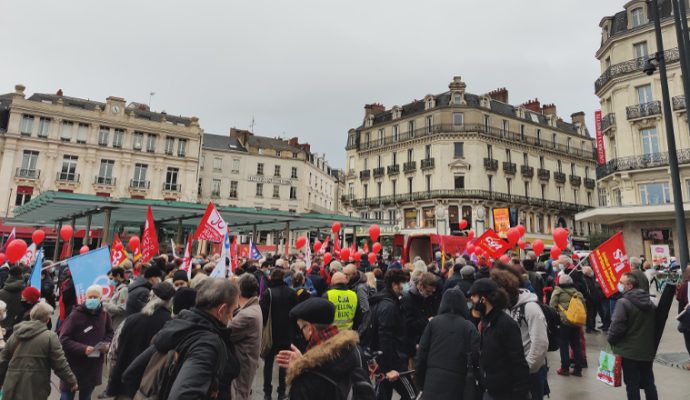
{"x":630,"y":67}
{"x":365,"y":174}
{"x":509,"y":167}
{"x":67,"y":177}
{"x":590,"y":183}
{"x":427,"y":163}
{"x":643,"y":110}
{"x":490,"y":164}
{"x":410,"y":166}
{"x":679,"y":103}
{"x":640,"y":162}
{"x":172,"y":187}
{"x":559,"y":177}
{"x":608,"y":121}
{"x":139,"y":184}
{"x":105,"y":180}
{"x":543,"y":174}
{"x":527,"y":171}
{"x":28,"y":173}
{"x":575,"y":180}
{"x":379,"y":172}
{"x":393,"y":169}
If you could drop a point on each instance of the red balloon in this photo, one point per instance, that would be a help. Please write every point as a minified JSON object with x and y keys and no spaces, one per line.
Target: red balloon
{"x":470,"y":248}
{"x":463,"y":223}
{"x":317,"y":246}
{"x":336,"y":227}
{"x":134,"y":243}
{"x":357,"y":256}
{"x":66,"y":232}
{"x":300,"y":242}
{"x":84,"y":249}
{"x":372,"y":258}
{"x":118,"y":246}
{"x":345,"y":254}
{"x":513,"y":236}
{"x":521,"y":229}
{"x":15,"y":250}
{"x":327,"y":258}
{"x":38,"y":236}
{"x":376,"y":247}
{"x":538,"y":247}
{"x":3,"y":258}
{"x":374,"y":232}
{"x":470,"y":234}
{"x":505,"y":259}
{"x":522,"y":244}
{"x":560,"y":237}
{"x":555,"y":252}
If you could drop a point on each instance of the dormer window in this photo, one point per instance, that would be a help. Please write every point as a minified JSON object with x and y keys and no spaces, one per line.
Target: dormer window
{"x":457,"y":98}
{"x":637,"y":17}
{"x":397,"y":112}
{"x":429,"y":103}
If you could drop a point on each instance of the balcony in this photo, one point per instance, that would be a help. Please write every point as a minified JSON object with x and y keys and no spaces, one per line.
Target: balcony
{"x":104,"y":180}
{"x":347,"y":198}
{"x":640,"y":162}
{"x":410,"y":166}
{"x":139,"y":184}
{"x":608,"y":122}
{"x":629,"y":67}
{"x":393,"y":169}
{"x":67,"y":177}
{"x":366,"y":174}
{"x":575,"y":180}
{"x":643,"y":110}
{"x":172,"y":187}
{"x":543,"y":174}
{"x":509,"y":168}
{"x":427,"y":163}
{"x":490,"y":164}
{"x":379,"y":172}
{"x":559,"y":177}
{"x":590,"y":183}
{"x":678,"y":103}
{"x":24,"y":173}
{"x":527,"y":171}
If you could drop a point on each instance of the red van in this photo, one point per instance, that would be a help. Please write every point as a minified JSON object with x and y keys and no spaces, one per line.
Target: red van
{"x":426,"y":245}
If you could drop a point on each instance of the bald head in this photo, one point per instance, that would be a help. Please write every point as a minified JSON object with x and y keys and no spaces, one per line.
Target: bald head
{"x":339,"y":278}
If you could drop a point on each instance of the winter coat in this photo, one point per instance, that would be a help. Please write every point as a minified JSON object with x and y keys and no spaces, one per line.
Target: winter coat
{"x":642,"y":278}
{"x":449,"y":344}
{"x":244,"y":327}
{"x":465,"y":284}
{"x":137,"y":295}
{"x":48,"y":289}
{"x":631,"y":333}
{"x":417,"y":309}
{"x":279,"y":299}
{"x":134,"y":338}
{"x":11,"y":294}
{"x":338,"y":358}
{"x":207,"y":361}
{"x":81,"y":329}
{"x":26,"y":362}
{"x":116,"y":305}
{"x":504,"y":370}
{"x":390,"y":331}
{"x":319,"y":283}
{"x":307,"y":284}
{"x":533,"y":329}
{"x":363,"y":290}
{"x":452,"y":282}
{"x":560,"y":300}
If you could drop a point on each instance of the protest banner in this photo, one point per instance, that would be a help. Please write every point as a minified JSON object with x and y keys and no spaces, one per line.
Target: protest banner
{"x":492,"y":244}
{"x":91,"y":269}
{"x":609,"y":262}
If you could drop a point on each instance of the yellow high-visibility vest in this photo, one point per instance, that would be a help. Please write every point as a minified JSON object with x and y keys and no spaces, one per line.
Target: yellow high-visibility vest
{"x":345,"y":302}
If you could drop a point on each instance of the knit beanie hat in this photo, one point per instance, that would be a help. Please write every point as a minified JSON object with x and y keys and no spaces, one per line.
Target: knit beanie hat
{"x":31,"y":294}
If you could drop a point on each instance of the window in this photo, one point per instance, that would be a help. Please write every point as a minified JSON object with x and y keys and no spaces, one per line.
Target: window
{"x":459,"y":182}
{"x":586,"y":172}
{"x":504,"y":128}
{"x":394,"y":181}
{"x":169,"y":145}
{"x":429,"y":123}
{"x":293,"y":193}
{"x":538,"y":136}
{"x":217,"y":164}
{"x":541,"y":162}
{"x":491,"y":183}
{"x":650,"y":141}
{"x":294,"y":155}
{"x":637,"y":17}
{"x":29,"y":160}
{"x":602,"y":197}
{"x":394,"y":158}
{"x":509,"y":185}
{"x":573,"y":169}
{"x":276,"y":191}
{"x":560,"y":165}
{"x":139,"y":179}
{"x":526,"y":189}
{"x":235,"y":165}
{"x":429,"y":217}
{"x":23,"y":195}
{"x":410,"y":155}
{"x":567,"y":145}
{"x":277,"y":153}
{"x":27,"y":125}
{"x":522,"y":133}
{"x":259,"y":190}
{"x":409,"y":185}
{"x":82,"y":133}
{"x":589,"y":199}
{"x":655,"y":193}
{"x":378,"y":189}
{"x":553,"y":140}
{"x":215,"y":188}
{"x":458,"y":119}
{"x":410,"y":128}
{"x":103,"y":133}
{"x":260,"y":168}
{"x":490,"y":152}
{"x":378,"y":162}
{"x":365,"y":188}
{"x":576,"y":196}
{"x":525,"y":159}
{"x":617,"y":197}
{"x":410,"y":218}
{"x":43,"y":127}
{"x":427,"y":152}
{"x":105,"y":173}
{"x":366,"y":166}
{"x":66,"y":131}
{"x":459,"y":150}
{"x":644,"y":94}
{"x":199,"y":187}
{"x":396,"y":133}
{"x":181,"y":147}
{"x":151,"y":143}
{"x":486,"y":123}
{"x":171,"y":178}
{"x":640,"y":50}
{"x":543,"y":191}
{"x":428,"y":183}
{"x":380,"y":138}
{"x":118,"y":135}
{"x":509,"y":158}
{"x":392,"y":217}
{"x":367,"y":137}
{"x":293,"y":174}
{"x":233,"y":189}
{"x":69,"y":168}
{"x":560,"y":193}
{"x":540,"y":223}
{"x":138,"y":140}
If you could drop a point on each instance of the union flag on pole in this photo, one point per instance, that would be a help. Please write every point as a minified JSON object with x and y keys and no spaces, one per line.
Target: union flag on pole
{"x":492,"y":244}
{"x":149,"y":241}
{"x":117,"y":256}
{"x":324,"y":246}
{"x":609,"y":262}
{"x":187,"y":258}
{"x":234,"y":261}
{"x":212,"y":226}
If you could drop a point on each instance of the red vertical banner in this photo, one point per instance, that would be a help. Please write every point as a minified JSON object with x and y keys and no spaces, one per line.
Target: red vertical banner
{"x":601,"y":151}
{"x":149,"y":241}
{"x":609,"y":262}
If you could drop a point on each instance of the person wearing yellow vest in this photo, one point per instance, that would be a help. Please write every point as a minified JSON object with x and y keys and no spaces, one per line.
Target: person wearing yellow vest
{"x":347,"y":309}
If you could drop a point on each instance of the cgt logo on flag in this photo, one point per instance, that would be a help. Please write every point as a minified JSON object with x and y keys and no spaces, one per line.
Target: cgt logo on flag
{"x":492,"y":244}
{"x":212,"y":226}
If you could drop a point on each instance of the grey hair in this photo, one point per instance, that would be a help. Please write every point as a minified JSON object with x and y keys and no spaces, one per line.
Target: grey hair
{"x":299,"y":266}
{"x":212,"y":293}
{"x":635,"y":262}
{"x":154,"y":304}
{"x":563,"y":259}
{"x":42,"y":311}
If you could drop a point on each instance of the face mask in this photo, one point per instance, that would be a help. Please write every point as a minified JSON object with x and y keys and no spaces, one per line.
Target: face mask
{"x":114,"y":282}
{"x":3,"y":316}
{"x":561,"y":267}
{"x":406,"y":287}
{"x":470,"y":305}
{"x":621,"y":288}
{"x":92,"y":304}
{"x":480,"y":307}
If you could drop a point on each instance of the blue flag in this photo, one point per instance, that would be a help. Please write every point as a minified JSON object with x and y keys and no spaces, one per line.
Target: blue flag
{"x":91,"y":269}
{"x":254,"y":253}
{"x":35,"y":280}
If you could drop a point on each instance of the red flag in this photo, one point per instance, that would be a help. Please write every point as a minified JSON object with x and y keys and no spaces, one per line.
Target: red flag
{"x":324,"y":245}
{"x":187,"y":258}
{"x":66,"y":251}
{"x":10,"y":238}
{"x":365,"y":248}
{"x":492,"y":244}
{"x":609,"y":262}
{"x":234,"y":261}
{"x":212,"y":226}
{"x":149,"y":241}
{"x":117,"y":256}
{"x":336,"y":244}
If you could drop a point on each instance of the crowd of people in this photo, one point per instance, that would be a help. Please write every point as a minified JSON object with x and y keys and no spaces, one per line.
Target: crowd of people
{"x":463,"y":328}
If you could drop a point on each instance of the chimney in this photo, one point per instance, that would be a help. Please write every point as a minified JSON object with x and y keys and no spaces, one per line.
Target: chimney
{"x":294,"y":141}
{"x":549,"y":109}
{"x":533,"y":105}
{"x":19,"y":90}
{"x":457,"y":84}
{"x":578,"y":118}
{"x":373,"y":109}
{"x":306,"y":147}
{"x":59,"y":92}
{"x":500,"y":94}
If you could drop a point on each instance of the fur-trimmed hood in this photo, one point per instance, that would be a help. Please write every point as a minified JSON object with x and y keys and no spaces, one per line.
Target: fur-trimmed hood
{"x":333,"y":357}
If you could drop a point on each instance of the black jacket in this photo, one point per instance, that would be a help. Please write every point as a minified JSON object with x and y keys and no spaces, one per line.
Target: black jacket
{"x":449,"y":344}
{"x":319,"y":283}
{"x":331,"y":367}
{"x":137,"y":295}
{"x":452,"y":282}
{"x":465,"y":284}
{"x":504,"y":370}
{"x":279,"y":299}
{"x":389,"y":335}
{"x":208,"y":363}
{"x":417,"y":310}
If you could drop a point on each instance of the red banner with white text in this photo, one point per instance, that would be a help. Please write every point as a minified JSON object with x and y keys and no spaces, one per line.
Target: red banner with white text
{"x":609,"y":262}
{"x":492,"y":244}
{"x":149,"y":241}
{"x":212,"y":226}
{"x":601,"y":151}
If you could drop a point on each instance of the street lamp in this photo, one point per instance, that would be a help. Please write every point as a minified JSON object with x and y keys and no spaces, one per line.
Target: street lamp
{"x":649,"y":68}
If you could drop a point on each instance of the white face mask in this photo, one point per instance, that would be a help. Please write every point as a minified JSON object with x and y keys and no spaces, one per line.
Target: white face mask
{"x":3,"y":316}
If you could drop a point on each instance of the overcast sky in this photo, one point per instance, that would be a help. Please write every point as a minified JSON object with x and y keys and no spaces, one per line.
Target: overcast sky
{"x":302,"y":67}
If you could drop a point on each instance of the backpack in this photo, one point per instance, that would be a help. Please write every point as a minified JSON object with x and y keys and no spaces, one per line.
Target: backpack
{"x":159,"y":376}
{"x":576,"y":313}
{"x":369,"y":338}
{"x":553,"y":324}
{"x":356,"y":386}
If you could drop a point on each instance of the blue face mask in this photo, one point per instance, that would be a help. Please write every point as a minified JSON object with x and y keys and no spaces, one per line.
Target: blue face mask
{"x":114,"y":282}
{"x":92,"y":304}
{"x":470,"y":305}
{"x":406,"y":287}
{"x":621,"y":288}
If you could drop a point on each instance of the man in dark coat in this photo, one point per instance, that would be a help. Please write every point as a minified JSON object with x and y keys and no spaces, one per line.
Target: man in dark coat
{"x":454,"y":280}
{"x":11,"y":294}
{"x":467,"y":273}
{"x":207,"y":363}
{"x":140,"y":288}
{"x":419,"y":305}
{"x":317,"y":280}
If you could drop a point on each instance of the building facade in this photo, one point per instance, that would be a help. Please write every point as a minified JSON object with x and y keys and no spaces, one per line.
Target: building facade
{"x":634,"y":183}
{"x":426,"y":165}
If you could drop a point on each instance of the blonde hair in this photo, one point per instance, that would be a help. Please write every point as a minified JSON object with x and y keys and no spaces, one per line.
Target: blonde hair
{"x":42,"y":311}
{"x":95,"y":288}
{"x":371,"y":279}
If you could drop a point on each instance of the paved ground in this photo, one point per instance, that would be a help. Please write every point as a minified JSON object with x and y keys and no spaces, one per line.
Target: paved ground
{"x":672,"y":383}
